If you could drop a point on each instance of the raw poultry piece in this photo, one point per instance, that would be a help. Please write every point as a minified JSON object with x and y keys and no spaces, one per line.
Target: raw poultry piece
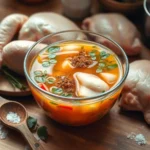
{"x":9,"y":27}
{"x":41,"y":24}
{"x":117,"y":27}
{"x":13,"y":54}
{"x":136,"y":91}
{"x":147,"y":26}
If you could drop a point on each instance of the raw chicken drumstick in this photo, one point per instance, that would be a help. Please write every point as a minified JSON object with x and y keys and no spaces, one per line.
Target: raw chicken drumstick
{"x":117,"y":27}
{"x":42,"y":24}
{"x":13,"y":54}
{"x":9,"y":27}
{"x":136,"y":91}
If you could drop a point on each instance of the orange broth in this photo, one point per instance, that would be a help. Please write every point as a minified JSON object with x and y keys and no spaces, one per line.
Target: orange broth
{"x":74,"y":112}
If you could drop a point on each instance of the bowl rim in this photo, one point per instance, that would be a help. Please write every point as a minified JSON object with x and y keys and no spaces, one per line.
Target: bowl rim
{"x":145,"y":7}
{"x":116,"y":87}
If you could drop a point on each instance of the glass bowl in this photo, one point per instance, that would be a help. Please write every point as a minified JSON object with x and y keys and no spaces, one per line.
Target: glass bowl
{"x":76,"y":111}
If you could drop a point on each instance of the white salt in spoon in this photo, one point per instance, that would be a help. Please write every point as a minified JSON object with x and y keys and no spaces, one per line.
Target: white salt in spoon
{"x":6,"y":107}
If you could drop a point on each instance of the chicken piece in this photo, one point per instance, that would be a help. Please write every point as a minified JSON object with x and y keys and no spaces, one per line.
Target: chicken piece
{"x":86,"y":88}
{"x":9,"y":27}
{"x":136,"y":90}
{"x":42,"y":24}
{"x":13,"y":54}
{"x":116,"y":27}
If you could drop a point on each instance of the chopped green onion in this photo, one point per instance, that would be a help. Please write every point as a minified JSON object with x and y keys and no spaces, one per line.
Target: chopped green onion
{"x":67,"y":94}
{"x":112,"y":66}
{"x":53,"y":49}
{"x":46,"y":64}
{"x":38,"y":73}
{"x":40,"y":79}
{"x":104,"y":55}
{"x":56,"y":90}
{"x":50,"y":80}
{"x":99,"y":70}
{"x":102,"y":65}
{"x":53,"y":103}
{"x":53,"y":61}
{"x":52,"y":55}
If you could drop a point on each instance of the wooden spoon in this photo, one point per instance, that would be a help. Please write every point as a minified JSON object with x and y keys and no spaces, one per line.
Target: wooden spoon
{"x":7,"y":106}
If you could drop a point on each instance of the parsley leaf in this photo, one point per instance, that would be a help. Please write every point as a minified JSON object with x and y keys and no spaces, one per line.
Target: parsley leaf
{"x":42,"y":133}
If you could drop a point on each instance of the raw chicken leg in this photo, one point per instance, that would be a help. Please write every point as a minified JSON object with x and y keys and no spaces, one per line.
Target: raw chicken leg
{"x":9,"y":27}
{"x":117,"y":27}
{"x":42,"y":24}
{"x":13,"y":54}
{"x":136,"y":91}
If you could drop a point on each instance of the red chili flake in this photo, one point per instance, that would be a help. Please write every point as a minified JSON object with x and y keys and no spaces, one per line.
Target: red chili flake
{"x":65,"y":107}
{"x":43,"y":86}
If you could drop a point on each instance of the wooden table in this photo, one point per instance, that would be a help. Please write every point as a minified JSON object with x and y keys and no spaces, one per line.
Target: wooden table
{"x":109,"y":133}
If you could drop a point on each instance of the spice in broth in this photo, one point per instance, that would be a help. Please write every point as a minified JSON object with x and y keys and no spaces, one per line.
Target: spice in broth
{"x":76,"y":69}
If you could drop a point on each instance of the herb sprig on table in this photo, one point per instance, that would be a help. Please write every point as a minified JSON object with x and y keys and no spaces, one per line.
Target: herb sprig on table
{"x":34,"y":127}
{"x":12,"y":78}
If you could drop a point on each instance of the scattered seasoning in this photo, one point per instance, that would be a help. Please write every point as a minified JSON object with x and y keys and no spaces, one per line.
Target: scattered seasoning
{"x":3,"y":131}
{"x":82,"y":60}
{"x":13,"y":117}
{"x":138,"y":138}
{"x":12,"y":78}
{"x":67,"y":84}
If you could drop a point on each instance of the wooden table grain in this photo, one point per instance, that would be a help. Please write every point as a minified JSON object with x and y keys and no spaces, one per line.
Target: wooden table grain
{"x":109,"y":133}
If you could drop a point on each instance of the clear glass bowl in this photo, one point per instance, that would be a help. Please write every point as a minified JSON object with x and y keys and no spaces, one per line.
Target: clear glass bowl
{"x":76,"y":111}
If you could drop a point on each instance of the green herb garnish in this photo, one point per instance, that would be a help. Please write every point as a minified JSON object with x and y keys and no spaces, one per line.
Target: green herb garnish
{"x":32,"y":123}
{"x":52,"y":55}
{"x":53,"y":103}
{"x":93,"y":54}
{"x":99,"y":70}
{"x":56,"y":90}
{"x":12,"y":78}
{"x":50,"y":80}
{"x":66,"y":94}
{"x":104,"y":55}
{"x":46,"y":64}
{"x":40,"y":79}
{"x":112,"y":66}
{"x":53,"y":61}
{"x":53,"y":49}
{"x":38,"y":73}
{"x":42,"y":133}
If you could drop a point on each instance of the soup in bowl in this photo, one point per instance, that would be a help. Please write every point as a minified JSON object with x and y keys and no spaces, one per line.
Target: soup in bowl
{"x":76,"y":81}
